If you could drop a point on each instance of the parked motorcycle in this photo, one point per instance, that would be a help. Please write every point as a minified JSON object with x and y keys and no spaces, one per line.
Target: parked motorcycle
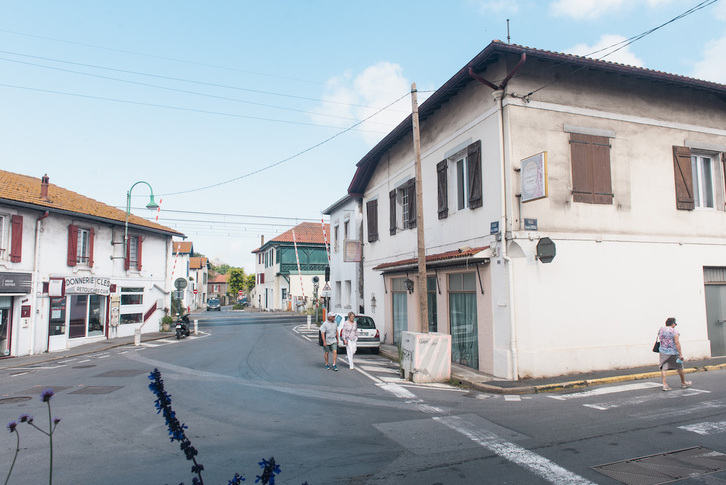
{"x":182,"y":327}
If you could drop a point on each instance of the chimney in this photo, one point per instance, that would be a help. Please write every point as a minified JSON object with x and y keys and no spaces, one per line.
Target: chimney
{"x":44,"y":187}
{"x":262,"y":240}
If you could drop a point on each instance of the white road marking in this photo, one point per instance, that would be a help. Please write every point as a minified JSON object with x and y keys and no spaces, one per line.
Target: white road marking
{"x":539,"y":465}
{"x":82,"y":361}
{"x":607,"y":390}
{"x":103,"y":356}
{"x":380,"y":369}
{"x":397,"y":390}
{"x":604,"y":406}
{"x":680,"y":411}
{"x":19,"y":374}
{"x":713,"y":427}
{"x":39,"y":367}
{"x":514,"y":398}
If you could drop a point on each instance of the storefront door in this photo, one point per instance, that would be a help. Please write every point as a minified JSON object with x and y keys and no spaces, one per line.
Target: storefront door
{"x":87,"y":316}
{"x":463,"y":320}
{"x":400,"y":308}
{"x":57,"y":324}
{"x":5,"y":333}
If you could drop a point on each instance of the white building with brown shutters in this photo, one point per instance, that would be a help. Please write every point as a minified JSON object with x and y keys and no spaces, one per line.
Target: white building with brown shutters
{"x":67,"y":275}
{"x":570,"y":206}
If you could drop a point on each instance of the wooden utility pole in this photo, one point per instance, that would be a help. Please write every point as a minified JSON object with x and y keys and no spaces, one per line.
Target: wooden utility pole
{"x":423,"y":311}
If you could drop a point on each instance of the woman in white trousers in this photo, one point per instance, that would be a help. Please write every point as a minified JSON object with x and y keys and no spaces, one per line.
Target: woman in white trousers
{"x":349,"y":335}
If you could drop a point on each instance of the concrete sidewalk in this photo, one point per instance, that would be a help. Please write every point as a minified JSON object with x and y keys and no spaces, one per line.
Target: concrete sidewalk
{"x":486,"y":383}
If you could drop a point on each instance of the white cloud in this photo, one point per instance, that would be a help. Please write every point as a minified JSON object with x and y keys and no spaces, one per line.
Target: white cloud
{"x":374,"y":88}
{"x":720,"y":11}
{"x":711,"y":67}
{"x":623,"y":56}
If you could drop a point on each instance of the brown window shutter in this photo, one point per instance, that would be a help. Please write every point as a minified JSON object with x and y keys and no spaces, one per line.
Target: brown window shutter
{"x":442,"y":183}
{"x":72,"y":244}
{"x":138,"y":253}
{"x":372,"y":212}
{"x":411,"y":216}
{"x":127,"y":259}
{"x":91,"y":234}
{"x":591,"y":174}
{"x":684,"y":178}
{"x":473,"y":167}
{"x":16,"y":239}
{"x":392,"y":211}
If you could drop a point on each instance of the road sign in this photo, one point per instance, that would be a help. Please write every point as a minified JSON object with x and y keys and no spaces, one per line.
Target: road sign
{"x":326,"y":293}
{"x":241,"y":293}
{"x":195,"y":291}
{"x":180,"y":283}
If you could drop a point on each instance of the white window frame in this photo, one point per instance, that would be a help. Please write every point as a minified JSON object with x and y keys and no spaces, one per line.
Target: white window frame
{"x":458,"y":182}
{"x":700,"y":184}
{"x":132,"y":308}
{"x":335,"y":237}
{"x":83,"y":248}
{"x":133,"y":250}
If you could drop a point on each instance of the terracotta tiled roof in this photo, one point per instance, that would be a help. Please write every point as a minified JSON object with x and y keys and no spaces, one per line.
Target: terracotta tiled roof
{"x":22,"y":188}
{"x":431,"y":258}
{"x":219,"y":278}
{"x":197,"y":262}
{"x":307,"y":232}
{"x":182,"y":247}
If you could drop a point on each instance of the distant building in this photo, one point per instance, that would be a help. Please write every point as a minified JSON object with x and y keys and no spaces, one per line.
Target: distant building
{"x":217,"y":286}
{"x":280,"y":284}
{"x":199,"y":274}
{"x":67,"y":275}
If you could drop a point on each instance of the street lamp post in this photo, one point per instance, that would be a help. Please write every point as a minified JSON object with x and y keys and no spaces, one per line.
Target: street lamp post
{"x":151,"y":205}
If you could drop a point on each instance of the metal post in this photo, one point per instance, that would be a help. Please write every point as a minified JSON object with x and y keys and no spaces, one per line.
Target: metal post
{"x":310,"y":317}
{"x":196,"y":327}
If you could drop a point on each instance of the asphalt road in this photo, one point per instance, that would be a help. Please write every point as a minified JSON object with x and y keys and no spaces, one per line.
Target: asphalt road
{"x":252,"y":385}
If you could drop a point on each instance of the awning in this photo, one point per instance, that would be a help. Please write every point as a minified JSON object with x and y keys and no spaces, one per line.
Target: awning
{"x":458,"y":257}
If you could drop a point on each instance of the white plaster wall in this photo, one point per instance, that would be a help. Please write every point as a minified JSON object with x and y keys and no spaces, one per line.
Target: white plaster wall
{"x":339,"y":269}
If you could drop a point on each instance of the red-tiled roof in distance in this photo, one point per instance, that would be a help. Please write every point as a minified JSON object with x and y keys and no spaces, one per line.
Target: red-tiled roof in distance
{"x":307,"y":232}
{"x":449,"y":255}
{"x":219,"y":278}
{"x":27,"y":190}
{"x":197,"y":262}
{"x":182,"y":247}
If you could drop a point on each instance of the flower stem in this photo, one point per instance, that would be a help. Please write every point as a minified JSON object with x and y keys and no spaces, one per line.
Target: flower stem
{"x":17,"y":450}
{"x":50,"y":438}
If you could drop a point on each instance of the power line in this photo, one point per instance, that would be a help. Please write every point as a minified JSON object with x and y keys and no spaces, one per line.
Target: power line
{"x":299,"y":219}
{"x":249,"y":174}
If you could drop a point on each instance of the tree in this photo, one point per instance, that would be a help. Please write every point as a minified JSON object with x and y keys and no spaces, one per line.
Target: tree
{"x":249,"y":282}
{"x":236,"y":281}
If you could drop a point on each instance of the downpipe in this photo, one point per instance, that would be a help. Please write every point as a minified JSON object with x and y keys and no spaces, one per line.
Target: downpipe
{"x":36,"y":274}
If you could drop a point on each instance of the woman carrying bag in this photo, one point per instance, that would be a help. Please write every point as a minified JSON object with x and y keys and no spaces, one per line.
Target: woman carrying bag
{"x":671,"y":356}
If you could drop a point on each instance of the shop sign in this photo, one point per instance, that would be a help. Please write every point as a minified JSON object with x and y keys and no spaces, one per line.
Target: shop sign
{"x":15,"y":282}
{"x":82,"y":285}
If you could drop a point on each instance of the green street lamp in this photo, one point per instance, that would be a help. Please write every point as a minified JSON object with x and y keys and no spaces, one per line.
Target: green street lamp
{"x":151,"y":205}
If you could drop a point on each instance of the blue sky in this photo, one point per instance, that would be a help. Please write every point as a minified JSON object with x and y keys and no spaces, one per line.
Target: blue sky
{"x":197,"y":97}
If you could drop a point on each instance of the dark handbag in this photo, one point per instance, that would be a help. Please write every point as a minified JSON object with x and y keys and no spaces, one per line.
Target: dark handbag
{"x":656,"y":346}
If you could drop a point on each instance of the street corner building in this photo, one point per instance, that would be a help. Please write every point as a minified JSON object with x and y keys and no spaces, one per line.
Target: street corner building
{"x":289,"y":268}
{"x":68,"y":274}
{"x":570,"y":205}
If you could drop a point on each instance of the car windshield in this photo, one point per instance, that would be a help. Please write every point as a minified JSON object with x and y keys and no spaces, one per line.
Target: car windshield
{"x":213,"y":301}
{"x":365,"y":322}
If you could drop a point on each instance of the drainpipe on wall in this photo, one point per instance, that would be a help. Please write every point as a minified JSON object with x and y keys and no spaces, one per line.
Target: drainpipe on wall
{"x":36,"y":277}
{"x":505,"y":165}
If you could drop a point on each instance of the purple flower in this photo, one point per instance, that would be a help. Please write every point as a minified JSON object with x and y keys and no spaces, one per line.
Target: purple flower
{"x":56,"y":420}
{"x":12,"y":425}
{"x":25,"y":418}
{"x":47,"y":394}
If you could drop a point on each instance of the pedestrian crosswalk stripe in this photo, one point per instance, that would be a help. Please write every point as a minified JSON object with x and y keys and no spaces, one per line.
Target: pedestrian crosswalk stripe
{"x":706,"y":428}
{"x":607,"y":390}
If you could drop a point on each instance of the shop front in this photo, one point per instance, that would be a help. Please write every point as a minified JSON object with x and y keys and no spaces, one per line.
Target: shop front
{"x":14,"y":289}
{"x":78,"y":310}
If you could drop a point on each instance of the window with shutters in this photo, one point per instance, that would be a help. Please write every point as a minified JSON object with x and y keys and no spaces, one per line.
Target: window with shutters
{"x":134,"y":254}
{"x":403,"y":206}
{"x":697,"y":178}
{"x":591,"y":178}
{"x":372,"y":216}
{"x":460,"y":176}
{"x":3,"y":237}
{"x":335,"y":238}
{"x":80,"y":245}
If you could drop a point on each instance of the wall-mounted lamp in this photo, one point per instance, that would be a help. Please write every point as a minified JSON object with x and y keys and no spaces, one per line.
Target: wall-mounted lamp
{"x":409,"y":284}
{"x":373,"y":302}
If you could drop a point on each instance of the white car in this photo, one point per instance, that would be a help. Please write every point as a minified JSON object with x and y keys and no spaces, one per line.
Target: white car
{"x":368,"y":335}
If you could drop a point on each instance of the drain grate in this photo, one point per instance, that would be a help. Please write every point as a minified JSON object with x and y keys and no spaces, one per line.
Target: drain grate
{"x":88,"y":366}
{"x":665,"y":467}
{"x":123,"y":373}
{"x":97,"y":390}
{"x":36,"y":390}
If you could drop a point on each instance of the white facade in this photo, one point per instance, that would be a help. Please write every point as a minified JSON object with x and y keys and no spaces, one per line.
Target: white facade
{"x":622,"y":265}
{"x":69,"y":284}
{"x":346,"y":277}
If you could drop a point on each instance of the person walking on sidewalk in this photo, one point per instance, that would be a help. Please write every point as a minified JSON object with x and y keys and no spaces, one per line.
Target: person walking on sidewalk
{"x":349,"y":335}
{"x":329,"y":333}
{"x":671,"y":356}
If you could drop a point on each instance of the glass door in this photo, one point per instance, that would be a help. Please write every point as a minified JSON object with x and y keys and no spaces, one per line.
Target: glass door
{"x":5,"y":312}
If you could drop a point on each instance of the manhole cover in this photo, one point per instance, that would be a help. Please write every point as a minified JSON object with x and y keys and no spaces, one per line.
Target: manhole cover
{"x":12,"y":400}
{"x":88,"y":366}
{"x":123,"y":373}
{"x":96,"y":390}
{"x":36,"y":390}
{"x":665,"y":467}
